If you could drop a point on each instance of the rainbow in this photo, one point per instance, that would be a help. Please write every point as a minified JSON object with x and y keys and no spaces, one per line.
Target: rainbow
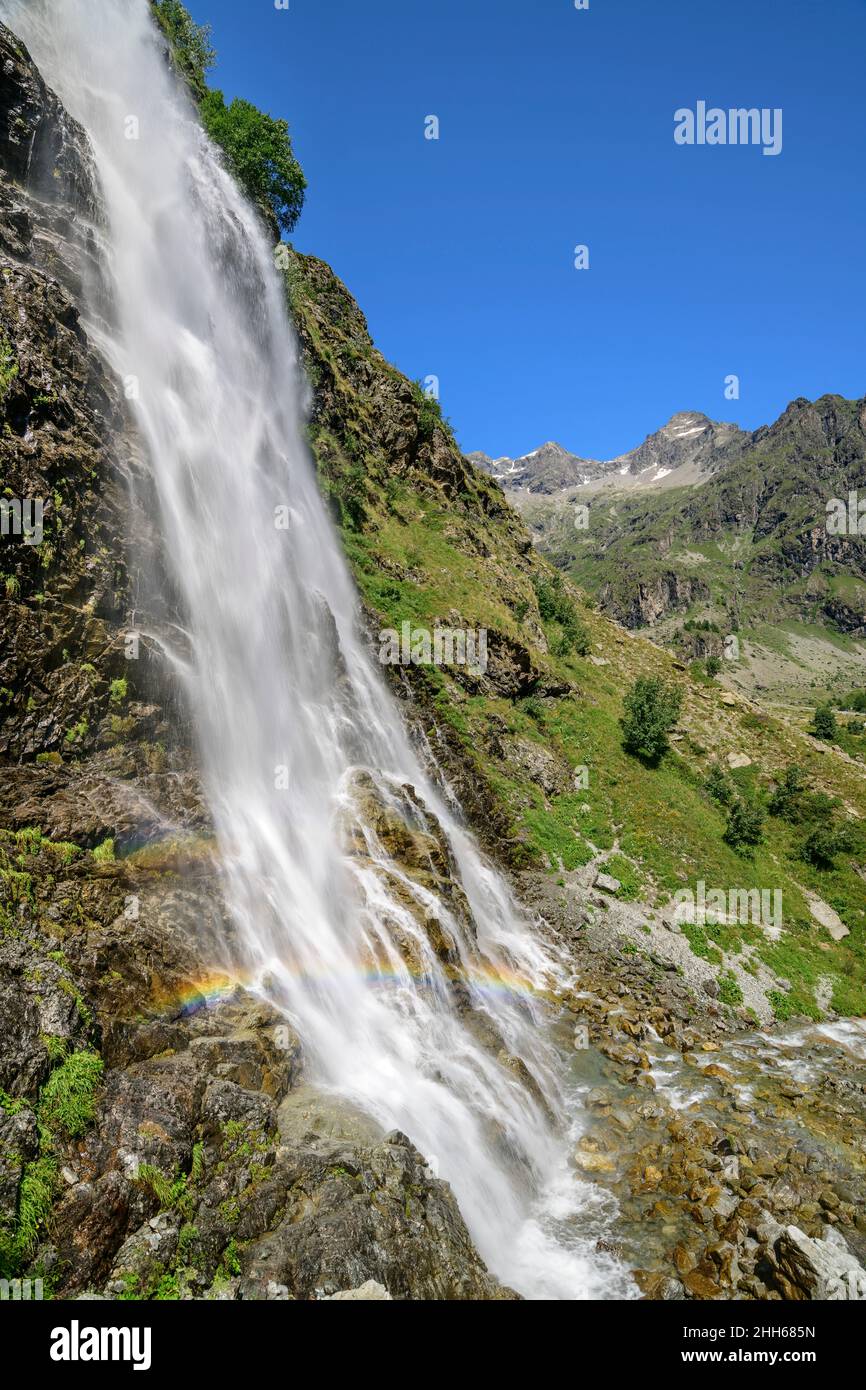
{"x":485,"y":979}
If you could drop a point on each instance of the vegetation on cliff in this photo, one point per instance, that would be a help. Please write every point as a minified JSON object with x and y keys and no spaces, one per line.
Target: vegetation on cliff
{"x":257,"y":146}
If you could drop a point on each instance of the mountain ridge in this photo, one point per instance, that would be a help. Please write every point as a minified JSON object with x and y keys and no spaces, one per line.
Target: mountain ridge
{"x":734,"y":534}
{"x":688,"y":440}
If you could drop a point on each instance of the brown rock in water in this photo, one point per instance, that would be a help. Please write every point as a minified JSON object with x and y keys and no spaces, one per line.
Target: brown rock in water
{"x":700,"y":1285}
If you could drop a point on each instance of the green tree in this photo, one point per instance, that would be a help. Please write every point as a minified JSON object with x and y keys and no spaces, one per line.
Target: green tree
{"x":190,"y":42}
{"x":789,"y":799}
{"x":824,"y":843}
{"x":555,"y":606}
{"x":824,"y":724}
{"x":719,"y":786}
{"x":651,"y":709}
{"x":259,"y":152}
{"x":745,"y":828}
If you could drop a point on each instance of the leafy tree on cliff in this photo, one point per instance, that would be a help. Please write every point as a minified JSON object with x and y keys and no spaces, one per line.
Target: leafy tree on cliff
{"x":259,"y":152}
{"x":257,"y":146}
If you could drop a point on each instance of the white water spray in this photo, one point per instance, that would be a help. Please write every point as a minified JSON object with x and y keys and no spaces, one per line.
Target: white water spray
{"x":302,"y":750}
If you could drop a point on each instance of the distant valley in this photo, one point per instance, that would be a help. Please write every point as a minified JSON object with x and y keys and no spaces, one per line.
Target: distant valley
{"x":706,"y":532}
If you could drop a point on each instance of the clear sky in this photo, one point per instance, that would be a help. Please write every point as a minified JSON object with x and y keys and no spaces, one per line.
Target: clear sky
{"x":556,"y":129}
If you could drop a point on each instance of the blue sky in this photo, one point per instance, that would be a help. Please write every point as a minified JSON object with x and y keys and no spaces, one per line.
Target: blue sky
{"x":557,"y":130}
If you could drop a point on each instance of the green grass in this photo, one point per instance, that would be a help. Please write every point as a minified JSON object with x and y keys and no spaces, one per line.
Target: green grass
{"x":35,"y":1198}
{"x":729,"y":990}
{"x":8,"y":366}
{"x":68,"y":1098}
{"x":173,"y":1192}
{"x":64,"y":1110}
{"x":631,"y":882}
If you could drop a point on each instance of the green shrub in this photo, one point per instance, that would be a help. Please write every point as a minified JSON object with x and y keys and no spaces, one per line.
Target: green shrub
{"x":259,"y":153}
{"x":555,"y":606}
{"x":824,"y":724}
{"x":822,"y":845}
{"x":651,"y":710}
{"x":793,"y":802}
{"x":788,"y":801}
{"x":66,"y":1101}
{"x":430,"y":417}
{"x":729,"y":990}
{"x":700,"y":944}
{"x":745,"y":827}
{"x":719,"y":786}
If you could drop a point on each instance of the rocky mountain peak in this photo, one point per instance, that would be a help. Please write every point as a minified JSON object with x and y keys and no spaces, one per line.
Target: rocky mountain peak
{"x":690,"y":445}
{"x":686,"y":450}
{"x":548,"y":469}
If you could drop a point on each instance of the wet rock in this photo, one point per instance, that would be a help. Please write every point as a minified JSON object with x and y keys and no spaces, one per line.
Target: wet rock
{"x":598,"y":1099}
{"x":37,"y":1002}
{"x":392,"y":1223}
{"x":817,"y":1269}
{"x":700,"y":1285}
{"x":658,"y":1287}
{"x":597,"y":1163}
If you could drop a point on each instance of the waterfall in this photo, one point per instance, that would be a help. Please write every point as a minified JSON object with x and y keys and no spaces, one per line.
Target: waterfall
{"x":304,"y":759}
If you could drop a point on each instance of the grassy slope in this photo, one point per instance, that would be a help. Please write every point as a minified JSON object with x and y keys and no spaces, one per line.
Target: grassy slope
{"x":429,"y":538}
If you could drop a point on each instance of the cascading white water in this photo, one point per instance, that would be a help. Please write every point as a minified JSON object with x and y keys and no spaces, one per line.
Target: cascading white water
{"x":291,"y":755}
